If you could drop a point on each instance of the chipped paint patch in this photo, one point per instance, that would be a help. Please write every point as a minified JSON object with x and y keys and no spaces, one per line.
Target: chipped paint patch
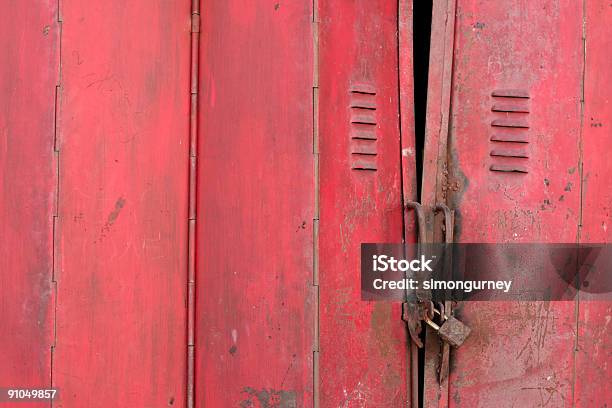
{"x":409,"y":151}
{"x":268,"y":398}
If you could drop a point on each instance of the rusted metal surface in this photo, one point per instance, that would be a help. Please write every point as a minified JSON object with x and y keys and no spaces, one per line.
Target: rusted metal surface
{"x":192,"y":211}
{"x":413,"y":312}
{"x":435,"y":181}
{"x":406,"y":99}
{"x":408,"y":166}
{"x":453,"y":331}
{"x":505,"y":92}
{"x":444,"y":364}
{"x":499,"y":207}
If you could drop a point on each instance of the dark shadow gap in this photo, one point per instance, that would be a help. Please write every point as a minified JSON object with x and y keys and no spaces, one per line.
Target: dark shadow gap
{"x":421,"y":29}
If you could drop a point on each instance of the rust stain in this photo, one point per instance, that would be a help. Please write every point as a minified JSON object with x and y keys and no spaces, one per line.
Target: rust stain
{"x":381,"y":323}
{"x":115,"y":213}
{"x":112,"y":217}
{"x":268,"y":398}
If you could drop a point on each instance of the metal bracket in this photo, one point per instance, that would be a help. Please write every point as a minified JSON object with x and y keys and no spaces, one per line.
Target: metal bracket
{"x":413,"y":313}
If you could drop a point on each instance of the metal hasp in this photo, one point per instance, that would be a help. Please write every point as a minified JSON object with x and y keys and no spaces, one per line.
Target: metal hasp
{"x":448,"y":228}
{"x":413,"y":313}
{"x":451,"y":329}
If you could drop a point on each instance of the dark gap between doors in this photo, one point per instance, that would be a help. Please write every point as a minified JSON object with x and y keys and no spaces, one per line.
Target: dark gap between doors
{"x":421,"y":26}
{"x":421,"y":31}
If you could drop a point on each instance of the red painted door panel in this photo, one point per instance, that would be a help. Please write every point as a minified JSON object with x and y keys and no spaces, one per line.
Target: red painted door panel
{"x":255,"y":296}
{"x":593,"y":340}
{"x":515,"y":90}
{"x":363,"y":346}
{"x":28,"y":76}
{"x":305,"y":150}
{"x":122,"y":264}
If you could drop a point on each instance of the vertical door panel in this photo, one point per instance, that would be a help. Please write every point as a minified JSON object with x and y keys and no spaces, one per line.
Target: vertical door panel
{"x":28,"y":76}
{"x":435,"y":172}
{"x":514,"y":136}
{"x":124,"y":136}
{"x":363,"y":346}
{"x":594,"y":343}
{"x":255,"y":310}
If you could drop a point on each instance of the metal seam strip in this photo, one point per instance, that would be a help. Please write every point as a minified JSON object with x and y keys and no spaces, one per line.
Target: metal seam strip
{"x":582,"y":189}
{"x":56,"y":198}
{"x":316,"y":153}
{"x":446,"y":137}
{"x":406,"y":114}
{"x":191,"y":258}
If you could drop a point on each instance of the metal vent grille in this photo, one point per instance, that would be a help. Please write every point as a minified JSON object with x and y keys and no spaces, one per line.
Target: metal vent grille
{"x":362,"y":104}
{"x":509,"y":137}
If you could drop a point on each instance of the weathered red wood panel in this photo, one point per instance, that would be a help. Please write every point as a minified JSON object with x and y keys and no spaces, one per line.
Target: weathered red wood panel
{"x":255,"y":304}
{"x":594,"y":339}
{"x":363,"y":346}
{"x":518,"y":353}
{"x":406,"y":117}
{"x":435,"y":170}
{"x":124,"y":138}
{"x":28,"y":76}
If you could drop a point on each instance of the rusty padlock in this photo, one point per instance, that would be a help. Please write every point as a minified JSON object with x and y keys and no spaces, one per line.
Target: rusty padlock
{"x":452,"y":331}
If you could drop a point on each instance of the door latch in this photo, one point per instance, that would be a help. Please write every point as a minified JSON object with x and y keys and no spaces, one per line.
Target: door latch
{"x":450,"y":329}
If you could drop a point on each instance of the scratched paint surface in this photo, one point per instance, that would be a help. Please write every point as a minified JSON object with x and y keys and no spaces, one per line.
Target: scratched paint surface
{"x":122,"y":266}
{"x":28,"y":76}
{"x":523,"y":354}
{"x":363,"y":348}
{"x":255,"y":311}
